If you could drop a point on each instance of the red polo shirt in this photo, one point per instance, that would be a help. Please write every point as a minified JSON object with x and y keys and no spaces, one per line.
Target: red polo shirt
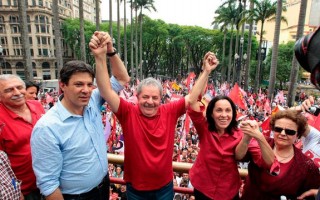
{"x":15,"y":141}
{"x":149,"y":144}
{"x":215,"y":171}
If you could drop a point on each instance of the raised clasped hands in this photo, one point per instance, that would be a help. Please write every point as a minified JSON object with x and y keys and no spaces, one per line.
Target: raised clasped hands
{"x":251,"y":128}
{"x":100,"y":43}
{"x":210,"y":62}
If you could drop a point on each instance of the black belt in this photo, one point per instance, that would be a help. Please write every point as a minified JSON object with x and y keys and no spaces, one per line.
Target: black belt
{"x":92,"y":192}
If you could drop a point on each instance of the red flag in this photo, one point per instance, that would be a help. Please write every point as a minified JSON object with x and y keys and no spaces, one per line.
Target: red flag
{"x":237,"y":97}
{"x":265,"y":126}
{"x":186,"y":129}
{"x":113,"y":136}
{"x":191,"y":75}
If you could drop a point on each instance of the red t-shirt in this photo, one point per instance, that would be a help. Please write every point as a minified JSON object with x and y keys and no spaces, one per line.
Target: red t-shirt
{"x":215,"y":171}
{"x":149,"y":144}
{"x":15,"y":141}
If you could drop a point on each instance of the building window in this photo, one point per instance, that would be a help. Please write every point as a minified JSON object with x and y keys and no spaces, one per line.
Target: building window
{"x":34,"y":2}
{"x":44,"y":40}
{"x":13,"y":19}
{"x":40,"y":3}
{"x":16,"y":40}
{"x":17,"y":52}
{"x":30,"y":40}
{"x":31,"y":52}
{"x":45,"y":52}
{"x":15,"y":29}
{"x":39,"y":52}
{"x":2,"y":28}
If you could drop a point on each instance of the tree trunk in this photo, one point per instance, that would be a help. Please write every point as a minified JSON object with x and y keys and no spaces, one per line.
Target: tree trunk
{"x":131,"y":43}
{"x":258,"y":68}
{"x":295,"y":67}
{"x":141,"y":62}
{"x":275,"y":48}
{"x":57,"y":34}
{"x":118,"y":27}
{"x":125,"y":35}
{"x":247,"y":67}
{"x":82,"y":39}
{"x":224,"y":69}
{"x":98,"y":15}
{"x":136,"y":43}
{"x":28,"y":71}
{"x":230,"y":55}
{"x":110,"y":19}
{"x":239,"y":70}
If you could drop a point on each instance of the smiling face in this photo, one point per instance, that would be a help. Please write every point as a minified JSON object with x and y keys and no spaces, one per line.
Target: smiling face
{"x":77,"y":92}
{"x":222,"y":115}
{"x":149,"y":100}
{"x":281,"y":139}
{"x":12,"y":92}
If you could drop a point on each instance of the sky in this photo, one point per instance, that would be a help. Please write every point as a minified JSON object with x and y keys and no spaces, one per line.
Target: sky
{"x":182,"y":12}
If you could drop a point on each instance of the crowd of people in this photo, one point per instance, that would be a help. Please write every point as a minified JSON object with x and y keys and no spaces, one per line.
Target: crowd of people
{"x":64,"y":139}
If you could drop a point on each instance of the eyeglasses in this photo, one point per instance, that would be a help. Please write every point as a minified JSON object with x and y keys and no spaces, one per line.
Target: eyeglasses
{"x":287,"y":131}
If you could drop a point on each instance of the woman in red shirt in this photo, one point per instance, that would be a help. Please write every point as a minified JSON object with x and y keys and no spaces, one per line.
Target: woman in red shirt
{"x":214,"y":174}
{"x":293,"y":173}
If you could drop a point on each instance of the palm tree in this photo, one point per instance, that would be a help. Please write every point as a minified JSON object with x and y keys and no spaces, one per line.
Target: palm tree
{"x":262,"y":11}
{"x":57,"y":33}
{"x":227,"y":17}
{"x":82,"y":39}
{"x":97,"y":15}
{"x":275,"y":48}
{"x":28,"y":71}
{"x":295,"y":66}
{"x":143,"y":4}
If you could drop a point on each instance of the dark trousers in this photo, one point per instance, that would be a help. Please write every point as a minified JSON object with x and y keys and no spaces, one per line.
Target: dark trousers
{"x":34,"y":195}
{"x":200,"y":196}
{"x":100,"y":192}
{"x":164,"y":193}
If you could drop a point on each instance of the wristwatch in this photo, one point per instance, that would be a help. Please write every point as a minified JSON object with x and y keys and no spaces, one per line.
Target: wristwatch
{"x":112,"y":53}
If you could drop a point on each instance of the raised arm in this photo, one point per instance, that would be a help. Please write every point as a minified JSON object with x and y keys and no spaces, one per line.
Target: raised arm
{"x":250,"y":129}
{"x":118,"y":69}
{"x":100,"y":44}
{"x":210,"y":62}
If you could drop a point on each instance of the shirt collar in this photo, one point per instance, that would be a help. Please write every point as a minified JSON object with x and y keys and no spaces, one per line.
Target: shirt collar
{"x":63,"y":112}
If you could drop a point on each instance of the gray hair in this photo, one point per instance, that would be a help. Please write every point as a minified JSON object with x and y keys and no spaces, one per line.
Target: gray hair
{"x":149,"y":81}
{"x":6,"y":77}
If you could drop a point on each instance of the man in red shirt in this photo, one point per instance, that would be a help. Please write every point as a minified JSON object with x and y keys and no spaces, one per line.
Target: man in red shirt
{"x":148,"y":129}
{"x":17,"y":119}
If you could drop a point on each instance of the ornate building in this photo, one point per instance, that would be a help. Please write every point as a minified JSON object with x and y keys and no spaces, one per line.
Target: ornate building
{"x":41,"y":35}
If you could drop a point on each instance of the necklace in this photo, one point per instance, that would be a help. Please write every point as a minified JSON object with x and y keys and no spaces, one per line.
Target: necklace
{"x":283,"y":158}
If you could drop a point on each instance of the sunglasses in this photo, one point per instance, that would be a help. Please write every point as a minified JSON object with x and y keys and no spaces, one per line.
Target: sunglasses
{"x":287,"y":131}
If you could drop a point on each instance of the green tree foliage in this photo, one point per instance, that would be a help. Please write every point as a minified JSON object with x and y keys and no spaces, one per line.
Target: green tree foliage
{"x":170,"y":49}
{"x":284,"y":64}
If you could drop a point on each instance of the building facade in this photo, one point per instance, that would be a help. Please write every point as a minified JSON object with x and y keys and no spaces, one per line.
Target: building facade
{"x":288,"y":31}
{"x":40,"y":32}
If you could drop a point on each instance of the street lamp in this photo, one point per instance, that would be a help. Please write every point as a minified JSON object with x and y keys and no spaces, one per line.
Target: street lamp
{"x":245,"y":56}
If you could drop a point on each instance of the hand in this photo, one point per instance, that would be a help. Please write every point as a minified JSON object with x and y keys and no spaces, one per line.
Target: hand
{"x":312,"y":192}
{"x":306,"y":104}
{"x":210,"y":62}
{"x":100,"y":43}
{"x":251,"y":128}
